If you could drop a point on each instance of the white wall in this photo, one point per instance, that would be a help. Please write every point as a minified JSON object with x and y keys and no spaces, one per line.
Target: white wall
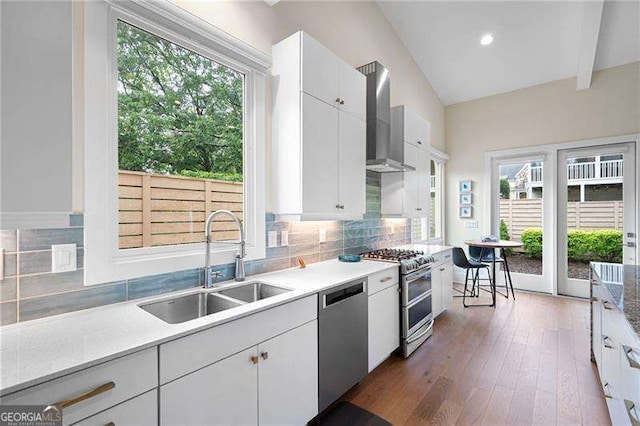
{"x":36,"y":135}
{"x":549,"y":113}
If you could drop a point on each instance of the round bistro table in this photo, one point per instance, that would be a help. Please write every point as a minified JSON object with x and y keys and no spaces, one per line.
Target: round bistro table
{"x":487,"y":246}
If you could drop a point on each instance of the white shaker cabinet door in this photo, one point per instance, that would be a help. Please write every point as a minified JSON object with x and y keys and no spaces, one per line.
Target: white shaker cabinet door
{"x":411,"y":181}
{"x":424,"y":190}
{"x":224,"y":393}
{"x":288,"y":377}
{"x":352,"y":155}
{"x":436,"y":291}
{"x":384,"y":325}
{"x":320,"y":156}
{"x":319,"y":71}
{"x":447,"y":285}
{"x":353,"y":91}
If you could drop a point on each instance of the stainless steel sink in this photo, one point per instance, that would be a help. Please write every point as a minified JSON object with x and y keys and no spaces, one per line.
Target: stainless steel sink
{"x":252,"y":292}
{"x":185,"y":308}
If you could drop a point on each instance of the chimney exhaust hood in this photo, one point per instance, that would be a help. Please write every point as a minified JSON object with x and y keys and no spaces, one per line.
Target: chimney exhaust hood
{"x":383,"y":155}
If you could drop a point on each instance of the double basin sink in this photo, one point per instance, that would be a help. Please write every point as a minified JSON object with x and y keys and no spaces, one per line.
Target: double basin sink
{"x":184,"y":308}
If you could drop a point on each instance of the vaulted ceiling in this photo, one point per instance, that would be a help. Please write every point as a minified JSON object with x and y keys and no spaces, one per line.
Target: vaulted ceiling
{"x":533,"y":42}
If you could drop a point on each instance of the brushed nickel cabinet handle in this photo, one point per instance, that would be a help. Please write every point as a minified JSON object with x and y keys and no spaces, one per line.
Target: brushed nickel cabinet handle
{"x":264,"y":355}
{"x":607,"y":305}
{"x":631,"y":412}
{"x":594,"y":298}
{"x":385,"y":279}
{"x":337,"y":206}
{"x":606,"y":388}
{"x":341,"y":101}
{"x":254,"y":359}
{"x":628,"y":352}
{"x":419,"y":142}
{"x":83,"y":397}
{"x":604,"y":342}
{"x":337,"y":100}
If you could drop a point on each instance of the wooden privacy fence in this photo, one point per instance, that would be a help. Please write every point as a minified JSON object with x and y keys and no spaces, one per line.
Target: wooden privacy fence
{"x":156,"y":210}
{"x":590,"y":215}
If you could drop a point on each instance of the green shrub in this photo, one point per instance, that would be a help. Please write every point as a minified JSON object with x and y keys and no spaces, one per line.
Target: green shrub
{"x":504,"y":235}
{"x":532,"y":242}
{"x":504,"y":231}
{"x":229,"y":177}
{"x":582,"y":246}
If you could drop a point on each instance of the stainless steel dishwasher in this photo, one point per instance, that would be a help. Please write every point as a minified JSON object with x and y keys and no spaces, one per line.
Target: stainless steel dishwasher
{"x":342,"y":340}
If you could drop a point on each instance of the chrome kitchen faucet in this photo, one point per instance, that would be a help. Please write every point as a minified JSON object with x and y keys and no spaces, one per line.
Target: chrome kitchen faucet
{"x":239,"y":274}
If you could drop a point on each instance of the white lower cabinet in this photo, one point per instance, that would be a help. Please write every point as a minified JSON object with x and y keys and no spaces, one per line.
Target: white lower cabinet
{"x":384,"y":324}
{"x":441,"y":287}
{"x":222,"y":393}
{"x":273,"y":382}
{"x":96,"y":388}
{"x":288,"y":377}
{"x":139,"y":411}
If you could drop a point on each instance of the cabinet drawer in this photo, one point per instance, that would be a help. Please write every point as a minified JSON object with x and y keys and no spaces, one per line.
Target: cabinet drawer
{"x":190,"y":353}
{"x":121,"y":379}
{"x":442,"y":257}
{"x":139,"y":411}
{"x":381,"y":280}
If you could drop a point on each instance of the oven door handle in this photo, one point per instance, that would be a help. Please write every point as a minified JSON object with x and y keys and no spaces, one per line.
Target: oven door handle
{"x":420,"y":335}
{"x":415,"y":276}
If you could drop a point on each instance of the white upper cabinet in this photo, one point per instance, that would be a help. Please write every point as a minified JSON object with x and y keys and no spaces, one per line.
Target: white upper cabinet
{"x":407,"y":194}
{"x":319,"y":69}
{"x":319,"y":133}
{"x":352,"y":91}
{"x":351,"y":156}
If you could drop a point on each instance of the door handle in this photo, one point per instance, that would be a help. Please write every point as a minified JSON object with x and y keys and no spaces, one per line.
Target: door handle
{"x":628,"y":352}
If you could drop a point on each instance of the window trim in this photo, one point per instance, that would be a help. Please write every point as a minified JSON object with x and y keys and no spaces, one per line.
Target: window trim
{"x":104,"y":261}
{"x":440,"y":158}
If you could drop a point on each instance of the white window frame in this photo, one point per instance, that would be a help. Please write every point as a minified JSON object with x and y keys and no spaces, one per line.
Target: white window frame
{"x":104,"y":261}
{"x":424,"y":223}
{"x":439,"y":158}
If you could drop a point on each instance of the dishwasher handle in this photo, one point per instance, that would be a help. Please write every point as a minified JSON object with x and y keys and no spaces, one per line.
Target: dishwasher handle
{"x":343,"y":293}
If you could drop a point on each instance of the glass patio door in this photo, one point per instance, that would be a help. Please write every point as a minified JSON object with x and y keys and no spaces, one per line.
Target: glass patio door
{"x":519,"y":215}
{"x":596,"y":212}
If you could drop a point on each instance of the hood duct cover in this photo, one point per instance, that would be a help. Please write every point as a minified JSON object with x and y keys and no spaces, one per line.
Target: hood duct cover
{"x":382,"y":155}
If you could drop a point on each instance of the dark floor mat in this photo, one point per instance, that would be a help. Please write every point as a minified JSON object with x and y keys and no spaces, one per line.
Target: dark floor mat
{"x":347,"y":414}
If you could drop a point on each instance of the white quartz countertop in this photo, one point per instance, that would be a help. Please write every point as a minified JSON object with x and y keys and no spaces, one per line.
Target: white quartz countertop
{"x":37,"y":351}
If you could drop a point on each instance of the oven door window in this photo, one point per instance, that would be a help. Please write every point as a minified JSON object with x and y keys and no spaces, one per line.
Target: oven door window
{"x":417,"y":286}
{"x":418,"y":314}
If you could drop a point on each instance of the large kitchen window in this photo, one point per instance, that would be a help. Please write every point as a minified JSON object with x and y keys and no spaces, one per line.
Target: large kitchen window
{"x":180,"y":142}
{"x":174,"y":130}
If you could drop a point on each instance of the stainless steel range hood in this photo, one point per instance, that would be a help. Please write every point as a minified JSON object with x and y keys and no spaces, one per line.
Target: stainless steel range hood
{"x":383,"y":154}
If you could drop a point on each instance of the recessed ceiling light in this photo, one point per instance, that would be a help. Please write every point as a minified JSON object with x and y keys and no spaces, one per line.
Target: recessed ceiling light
{"x":486,"y":39}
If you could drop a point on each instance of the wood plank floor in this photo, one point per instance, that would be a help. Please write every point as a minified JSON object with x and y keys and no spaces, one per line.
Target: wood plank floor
{"x":526,"y":362}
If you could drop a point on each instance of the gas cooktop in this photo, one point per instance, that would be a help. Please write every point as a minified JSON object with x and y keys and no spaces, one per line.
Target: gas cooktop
{"x":409,"y":260}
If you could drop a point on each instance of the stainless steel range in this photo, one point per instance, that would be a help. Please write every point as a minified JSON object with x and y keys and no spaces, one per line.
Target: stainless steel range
{"x":416,"y":320}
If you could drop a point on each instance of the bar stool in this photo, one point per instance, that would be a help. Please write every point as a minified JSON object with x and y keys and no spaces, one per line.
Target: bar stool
{"x":461,"y":261}
{"x":479,"y":254}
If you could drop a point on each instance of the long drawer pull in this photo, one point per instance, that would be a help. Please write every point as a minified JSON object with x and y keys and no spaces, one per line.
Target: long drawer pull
{"x":607,"y":391}
{"x":607,"y":304}
{"x":631,"y":411}
{"x":628,"y":352}
{"x":75,"y":400}
{"x":604,"y":341}
{"x":385,"y":279}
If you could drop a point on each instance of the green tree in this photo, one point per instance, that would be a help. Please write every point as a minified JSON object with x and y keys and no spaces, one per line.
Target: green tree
{"x":178,"y":111}
{"x":505,"y":189}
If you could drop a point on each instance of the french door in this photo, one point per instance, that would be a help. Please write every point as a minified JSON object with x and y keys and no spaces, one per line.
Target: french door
{"x":596,"y":212}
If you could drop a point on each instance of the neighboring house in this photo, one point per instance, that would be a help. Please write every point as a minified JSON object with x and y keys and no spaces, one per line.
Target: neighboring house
{"x":589,"y":179}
